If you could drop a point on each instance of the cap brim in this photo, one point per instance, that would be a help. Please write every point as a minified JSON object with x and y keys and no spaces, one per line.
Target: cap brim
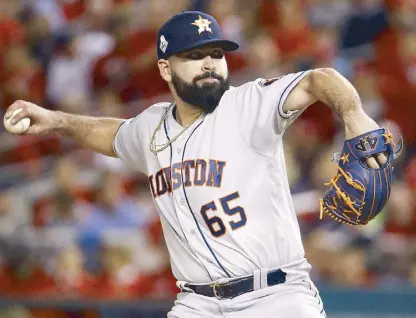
{"x":226,"y":45}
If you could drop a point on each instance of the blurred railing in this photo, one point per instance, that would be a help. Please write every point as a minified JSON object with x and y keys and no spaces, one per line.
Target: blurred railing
{"x":339,"y":303}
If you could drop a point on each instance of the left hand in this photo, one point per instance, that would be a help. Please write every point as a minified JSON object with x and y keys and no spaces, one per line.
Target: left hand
{"x":360,"y":123}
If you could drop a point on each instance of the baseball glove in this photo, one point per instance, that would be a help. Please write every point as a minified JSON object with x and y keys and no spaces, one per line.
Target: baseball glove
{"x":358,"y":193}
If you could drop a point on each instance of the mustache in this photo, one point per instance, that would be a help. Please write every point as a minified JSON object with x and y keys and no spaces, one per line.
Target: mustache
{"x":208,"y":75}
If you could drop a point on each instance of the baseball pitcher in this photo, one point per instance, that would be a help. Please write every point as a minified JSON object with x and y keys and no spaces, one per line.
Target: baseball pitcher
{"x":215,"y":164}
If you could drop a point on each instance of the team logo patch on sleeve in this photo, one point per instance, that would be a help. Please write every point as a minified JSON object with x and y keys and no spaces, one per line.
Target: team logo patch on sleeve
{"x":267,"y":82}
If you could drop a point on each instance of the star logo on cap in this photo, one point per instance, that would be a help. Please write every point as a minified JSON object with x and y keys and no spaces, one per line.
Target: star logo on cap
{"x":202,"y":24}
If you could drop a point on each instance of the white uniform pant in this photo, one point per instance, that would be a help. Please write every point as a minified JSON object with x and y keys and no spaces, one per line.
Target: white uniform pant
{"x":297,"y":299}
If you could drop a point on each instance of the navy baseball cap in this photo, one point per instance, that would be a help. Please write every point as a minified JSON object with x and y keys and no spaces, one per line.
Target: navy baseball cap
{"x":189,"y":30}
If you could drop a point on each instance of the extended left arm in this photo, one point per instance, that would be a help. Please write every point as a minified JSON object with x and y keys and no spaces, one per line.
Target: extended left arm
{"x":330,"y":87}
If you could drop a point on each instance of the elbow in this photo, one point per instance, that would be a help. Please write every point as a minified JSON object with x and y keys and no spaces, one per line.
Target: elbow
{"x":329,"y":71}
{"x":322,"y":78}
{"x":320,"y":74}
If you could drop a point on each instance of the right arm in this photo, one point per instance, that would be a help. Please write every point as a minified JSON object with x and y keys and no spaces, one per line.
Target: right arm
{"x":94,"y":133}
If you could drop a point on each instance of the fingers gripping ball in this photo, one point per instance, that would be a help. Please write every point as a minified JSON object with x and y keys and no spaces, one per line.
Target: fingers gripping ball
{"x":20,"y":127}
{"x":358,"y":193}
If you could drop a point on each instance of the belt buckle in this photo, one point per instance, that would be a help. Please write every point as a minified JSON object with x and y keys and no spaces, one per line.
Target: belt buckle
{"x":216,"y":293}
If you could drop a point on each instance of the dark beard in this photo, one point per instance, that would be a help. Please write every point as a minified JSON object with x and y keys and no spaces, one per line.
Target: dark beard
{"x":206,"y":96}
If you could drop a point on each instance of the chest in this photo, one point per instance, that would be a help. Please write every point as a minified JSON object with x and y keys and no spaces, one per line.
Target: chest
{"x":205,"y":159}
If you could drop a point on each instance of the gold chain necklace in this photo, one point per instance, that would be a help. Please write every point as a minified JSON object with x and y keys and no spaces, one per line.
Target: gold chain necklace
{"x":158,"y":148}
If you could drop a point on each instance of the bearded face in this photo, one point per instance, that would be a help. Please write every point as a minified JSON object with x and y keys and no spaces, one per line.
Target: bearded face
{"x":204,"y":92}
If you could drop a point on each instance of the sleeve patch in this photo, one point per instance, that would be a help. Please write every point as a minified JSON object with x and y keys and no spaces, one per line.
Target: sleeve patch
{"x":268,"y":82}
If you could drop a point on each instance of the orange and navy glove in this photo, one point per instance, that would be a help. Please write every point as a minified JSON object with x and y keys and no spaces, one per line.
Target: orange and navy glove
{"x":358,"y":193}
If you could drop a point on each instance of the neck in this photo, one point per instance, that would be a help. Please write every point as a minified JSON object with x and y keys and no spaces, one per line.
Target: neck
{"x":186,"y":113}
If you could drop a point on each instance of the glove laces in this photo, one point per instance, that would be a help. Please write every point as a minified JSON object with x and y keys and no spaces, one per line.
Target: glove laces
{"x":347,"y":200}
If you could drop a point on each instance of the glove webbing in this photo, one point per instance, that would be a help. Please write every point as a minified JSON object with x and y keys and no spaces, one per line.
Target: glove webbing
{"x":345,"y":197}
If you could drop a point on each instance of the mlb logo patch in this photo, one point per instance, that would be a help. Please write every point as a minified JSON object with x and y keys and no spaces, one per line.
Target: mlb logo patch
{"x":163,"y":44}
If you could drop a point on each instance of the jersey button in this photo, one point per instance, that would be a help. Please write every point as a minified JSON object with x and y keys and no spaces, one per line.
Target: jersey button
{"x":182,"y":201}
{"x":179,"y":150}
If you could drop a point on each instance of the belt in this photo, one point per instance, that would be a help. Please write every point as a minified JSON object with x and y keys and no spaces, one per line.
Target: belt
{"x":234,"y":288}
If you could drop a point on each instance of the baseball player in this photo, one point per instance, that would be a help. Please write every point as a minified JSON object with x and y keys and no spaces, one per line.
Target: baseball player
{"x":215,"y":165}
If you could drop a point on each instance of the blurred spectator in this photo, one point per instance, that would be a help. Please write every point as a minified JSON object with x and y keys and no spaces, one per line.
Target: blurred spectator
{"x":337,"y":258}
{"x":64,"y":211}
{"x":226,"y":12}
{"x":119,"y":275}
{"x":365,"y":81}
{"x":52,"y":11}
{"x":328,"y":13}
{"x":15,"y":312}
{"x":350,"y":269}
{"x":412,"y":275}
{"x":396,"y":88}
{"x":305,"y":147}
{"x":146,"y":78}
{"x":136,"y":265}
{"x":131,"y":68}
{"x":109,"y":104}
{"x":23,"y":275}
{"x":68,"y":88}
{"x":113,"y":70}
{"x":408,"y":54}
{"x":95,"y":40}
{"x":366,"y":21}
{"x":410,"y":175}
{"x":392,"y":261}
{"x":11,"y":31}
{"x":13,"y":213}
{"x":403,"y":14}
{"x":263,"y":57}
{"x":72,"y":10}
{"x":401,"y":211}
{"x":21,"y":77}
{"x":65,"y":175}
{"x":113,"y":208}
{"x":326,"y":48}
{"x":292,"y":34}
{"x":323,"y":168}
{"x":70,"y":276}
{"x":40,"y":39}
{"x":63,"y":233}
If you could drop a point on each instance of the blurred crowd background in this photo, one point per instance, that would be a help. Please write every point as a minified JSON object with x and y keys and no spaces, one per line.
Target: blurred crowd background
{"x":81,"y":225}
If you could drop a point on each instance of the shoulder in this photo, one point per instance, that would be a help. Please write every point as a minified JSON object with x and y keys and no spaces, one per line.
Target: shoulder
{"x":282,"y":81}
{"x":236,"y":90}
{"x":153,"y":113}
{"x":255,"y":88}
{"x":262,"y":84}
{"x":156,"y":110}
{"x":146,"y":119}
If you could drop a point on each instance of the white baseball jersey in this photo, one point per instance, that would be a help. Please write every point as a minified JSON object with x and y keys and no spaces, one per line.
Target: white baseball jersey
{"x":221,"y":188}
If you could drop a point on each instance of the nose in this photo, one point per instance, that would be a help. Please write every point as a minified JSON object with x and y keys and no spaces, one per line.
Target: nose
{"x":208,"y":64}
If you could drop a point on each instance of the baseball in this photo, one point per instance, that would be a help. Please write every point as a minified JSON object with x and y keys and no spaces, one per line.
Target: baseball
{"x":20,"y":127}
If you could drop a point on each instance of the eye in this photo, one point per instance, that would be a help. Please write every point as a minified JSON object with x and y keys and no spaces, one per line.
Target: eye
{"x":196,"y":55}
{"x":217,"y":54}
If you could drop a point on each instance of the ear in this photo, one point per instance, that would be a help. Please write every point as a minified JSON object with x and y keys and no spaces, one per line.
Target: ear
{"x":164,"y":69}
